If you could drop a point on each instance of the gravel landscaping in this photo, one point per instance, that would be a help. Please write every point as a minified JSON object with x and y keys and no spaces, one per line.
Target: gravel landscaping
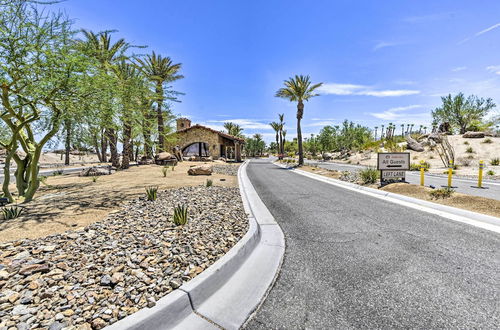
{"x":93,"y":277}
{"x":226,"y":169}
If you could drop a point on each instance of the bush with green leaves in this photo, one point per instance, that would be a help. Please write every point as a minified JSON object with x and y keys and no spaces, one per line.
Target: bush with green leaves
{"x":151,"y":193}
{"x":469,"y":150}
{"x":416,"y":166}
{"x":12,"y":212}
{"x":209,"y":183}
{"x":369,"y":175}
{"x":466,"y":143}
{"x":487,"y":141}
{"x":495,"y":161}
{"x":95,"y":178}
{"x":490,"y":172}
{"x":441,"y":193}
{"x":180,"y":215}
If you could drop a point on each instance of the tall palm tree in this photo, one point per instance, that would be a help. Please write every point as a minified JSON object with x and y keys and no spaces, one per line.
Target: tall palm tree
{"x":276,"y":126}
{"x":160,"y":70}
{"x":376,"y":128}
{"x":298,"y":89}
{"x":283,"y":133}
{"x":282,"y":126}
{"x":99,"y":46}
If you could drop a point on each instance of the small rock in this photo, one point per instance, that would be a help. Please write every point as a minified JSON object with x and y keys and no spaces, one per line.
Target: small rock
{"x":49,"y":248}
{"x":57,"y":325}
{"x":4,"y":275}
{"x":36,"y":268}
{"x":68,"y":312}
{"x":174,"y":284}
{"x":98,"y":323}
{"x":106,"y":280}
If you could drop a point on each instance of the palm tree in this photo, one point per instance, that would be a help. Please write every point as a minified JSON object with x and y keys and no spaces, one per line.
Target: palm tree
{"x":283,"y":133}
{"x":259,"y":143}
{"x":233,"y":129}
{"x":160,"y":70}
{"x":99,"y":46}
{"x":382,"y":132}
{"x":282,"y":137}
{"x":276,"y":126}
{"x":298,"y":89}
{"x":376,"y":128}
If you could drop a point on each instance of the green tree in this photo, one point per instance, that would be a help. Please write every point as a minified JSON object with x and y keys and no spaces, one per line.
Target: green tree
{"x":39,"y":68}
{"x":233,"y":129}
{"x":461,"y":112}
{"x":276,"y":127}
{"x":298,"y":89}
{"x":161,"y":71}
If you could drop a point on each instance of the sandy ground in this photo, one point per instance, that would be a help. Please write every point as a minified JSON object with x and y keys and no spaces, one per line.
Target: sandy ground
{"x":71,"y":201}
{"x":467,"y":202}
{"x":481,"y":151}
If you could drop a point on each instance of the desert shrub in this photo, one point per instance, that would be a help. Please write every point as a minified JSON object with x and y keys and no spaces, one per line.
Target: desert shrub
{"x":466,"y":143}
{"x":441,"y":193}
{"x":151,"y":193}
{"x":488,"y":141}
{"x":469,"y":150}
{"x":490,"y":172}
{"x":180,"y":215}
{"x":431,"y":157}
{"x":95,"y":178}
{"x":43,"y":179}
{"x":470,"y":157}
{"x":416,"y":166}
{"x":415,"y":157}
{"x":12,"y":212}
{"x":369,"y":175}
{"x":173,"y":167}
{"x":209,"y":183}
{"x":495,"y":161}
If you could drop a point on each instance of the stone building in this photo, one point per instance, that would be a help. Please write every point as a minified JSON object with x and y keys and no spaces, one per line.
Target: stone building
{"x":200,"y":142}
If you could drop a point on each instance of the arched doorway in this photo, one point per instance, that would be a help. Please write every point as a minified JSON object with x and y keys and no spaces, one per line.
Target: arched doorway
{"x":200,"y":149}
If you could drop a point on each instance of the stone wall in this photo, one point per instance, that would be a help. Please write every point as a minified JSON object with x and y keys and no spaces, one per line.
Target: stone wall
{"x":198,"y":134}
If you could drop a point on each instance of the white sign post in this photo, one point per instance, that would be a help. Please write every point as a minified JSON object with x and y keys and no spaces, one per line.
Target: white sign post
{"x":393,"y":165}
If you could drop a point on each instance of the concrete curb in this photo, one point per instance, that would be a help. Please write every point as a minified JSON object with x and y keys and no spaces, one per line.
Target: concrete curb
{"x":229,"y":291}
{"x":472,"y":218}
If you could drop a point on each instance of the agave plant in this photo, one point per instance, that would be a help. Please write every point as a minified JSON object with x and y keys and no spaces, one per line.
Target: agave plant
{"x":209,"y":183}
{"x":151,"y":193}
{"x":12,"y":212}
{"x":180,"y":215}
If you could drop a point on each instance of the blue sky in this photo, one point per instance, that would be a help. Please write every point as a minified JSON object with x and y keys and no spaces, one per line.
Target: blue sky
{"x":381,"y":61}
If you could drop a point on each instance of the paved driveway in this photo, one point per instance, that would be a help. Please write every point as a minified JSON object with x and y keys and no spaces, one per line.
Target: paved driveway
{"x":353,"y":261}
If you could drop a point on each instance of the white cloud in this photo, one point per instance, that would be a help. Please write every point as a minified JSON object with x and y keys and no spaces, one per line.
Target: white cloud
{"x":351,"y":89}
{"x":384,"y":44}
{"x":488,"y":29}
{"x":459,"y":68}
{"x":315,"y":119}
{"x":494,"y":69}
{"x":395,"y":113}
{"x":244,"y":123}
{"x":321,"y":123}
{"x":427,"y":18}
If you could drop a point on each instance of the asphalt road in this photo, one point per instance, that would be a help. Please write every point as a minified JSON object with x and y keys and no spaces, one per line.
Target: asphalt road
{"x":465,"y":186}
{"x":356,"y":262}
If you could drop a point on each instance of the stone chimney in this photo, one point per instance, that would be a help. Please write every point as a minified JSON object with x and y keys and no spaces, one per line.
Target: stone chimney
{"x":183,"y":123}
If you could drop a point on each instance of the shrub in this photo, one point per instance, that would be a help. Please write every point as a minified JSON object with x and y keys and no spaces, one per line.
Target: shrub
{"x":490,"y":172}
{"x":173,"y":168}
{"x":495,"y":161}
{"x":164,"y":170}
{"x":209,"y":183}
{"x":43,"y":179}
{"x":469,"y":150}
{"x":466,"y":143}
{"x":442,"y":193}
{"x":470,"y":157}
{"x":94,"y":178}
{"x":415,"y":157}
{"x":488,"y":140}
{"x":180,"y":215}
{"x":151,"y":193}
{"x":416,"y":167}
{"x":431,"y":157}
{"x":369,"y":175}
{"x":12,"y":212}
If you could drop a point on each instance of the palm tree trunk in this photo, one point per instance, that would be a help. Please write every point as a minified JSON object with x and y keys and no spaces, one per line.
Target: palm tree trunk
{"x":277,"y":143}
{"x":159,"y":113}
{"x":113,"y":147}
{"x":104,"y":147}
{"x":300,"y":113}
{"x":127,"y":134}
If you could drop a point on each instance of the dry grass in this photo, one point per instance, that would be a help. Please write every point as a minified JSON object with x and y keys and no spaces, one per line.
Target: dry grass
{"x":467,"y":202}
{"x":71,"y":201}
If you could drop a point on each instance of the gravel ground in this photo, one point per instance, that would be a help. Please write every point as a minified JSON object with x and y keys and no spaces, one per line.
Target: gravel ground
{"x":92,"y":277}
{"x":226,"y":169}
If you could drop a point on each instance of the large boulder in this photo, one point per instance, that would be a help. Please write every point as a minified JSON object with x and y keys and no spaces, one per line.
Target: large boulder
{"x":327,"y":156}
{"x":164,"y":156}
{"x":412,"y":144}
{"x":473,"y":135}
{"x":200,"y":170}
{"x":95,"y":171}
